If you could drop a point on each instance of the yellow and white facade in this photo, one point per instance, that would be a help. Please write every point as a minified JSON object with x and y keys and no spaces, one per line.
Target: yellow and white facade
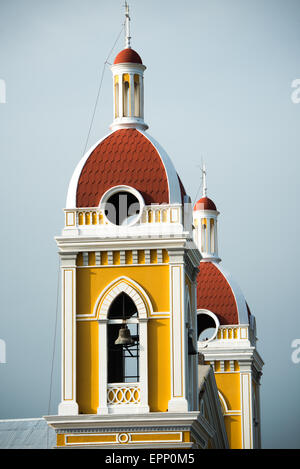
{"x":130,"y":255}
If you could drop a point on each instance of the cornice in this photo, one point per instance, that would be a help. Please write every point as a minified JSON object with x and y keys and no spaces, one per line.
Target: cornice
{"x":81,"y":244}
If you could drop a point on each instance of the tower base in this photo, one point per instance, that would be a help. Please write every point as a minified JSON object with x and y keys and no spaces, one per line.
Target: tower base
{"x":160,"y":430}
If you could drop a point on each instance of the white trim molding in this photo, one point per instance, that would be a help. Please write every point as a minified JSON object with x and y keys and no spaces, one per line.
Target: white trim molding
{"x":178,"y":336}
{"x":68,"y":405}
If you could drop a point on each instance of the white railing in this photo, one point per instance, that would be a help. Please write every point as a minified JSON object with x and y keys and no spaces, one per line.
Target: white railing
{"x":232,"y":332}
{"x":94,"y":217}
{"x":123,"y":394}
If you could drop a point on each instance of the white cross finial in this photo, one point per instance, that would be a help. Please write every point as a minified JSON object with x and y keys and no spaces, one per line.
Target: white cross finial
{"x":127,"y":27}
{"x":204,"y":184}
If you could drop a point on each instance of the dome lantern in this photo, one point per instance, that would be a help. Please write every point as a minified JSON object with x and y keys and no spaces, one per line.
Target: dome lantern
{"x":128,"y":85}
{"x":205,"y":216}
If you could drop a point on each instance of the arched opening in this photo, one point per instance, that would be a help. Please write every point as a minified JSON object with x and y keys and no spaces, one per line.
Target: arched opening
{"x":212,"y":235}
{"x":123,"y":360}
{"x":207,"y":326}
{"x":203,"y":234}
{"x":125,"y":389}
{"x":126,"y":104}
{"x":137,"y":96}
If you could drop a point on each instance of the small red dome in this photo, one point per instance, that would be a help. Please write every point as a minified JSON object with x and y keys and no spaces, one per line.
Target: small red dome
{"x":205,"y":204}
{"x":128,"y":56}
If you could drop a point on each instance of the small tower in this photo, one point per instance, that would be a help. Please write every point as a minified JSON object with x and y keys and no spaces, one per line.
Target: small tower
{"x":128,"y":80}
{"x":227,"y":333}
{"x":205,"y":223}
{"x":129,"y":268}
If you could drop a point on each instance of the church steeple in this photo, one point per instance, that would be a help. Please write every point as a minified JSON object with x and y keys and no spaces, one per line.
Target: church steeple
{"x":128,"y":85}
{"x":205,"y":222}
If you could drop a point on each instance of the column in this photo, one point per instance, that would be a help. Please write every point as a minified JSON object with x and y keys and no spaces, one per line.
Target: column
{"x":68,"y":405}
{"x":121,"y":95}
{"x":178,"y":336}
{"x":246,"y":404}
{"x":216,"y":237}
{"x":102,"y":408}
{"x":195,"y":338}
{"x":142,"y":96}
{"x":144,"y":407}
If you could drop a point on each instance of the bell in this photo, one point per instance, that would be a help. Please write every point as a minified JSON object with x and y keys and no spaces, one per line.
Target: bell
{"x":124,"y":337}
{"x":191,"y":348}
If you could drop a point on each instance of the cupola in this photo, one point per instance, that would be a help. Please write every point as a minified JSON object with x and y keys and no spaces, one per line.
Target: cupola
{"x":205,"y":215}
{"x":128,"y":82}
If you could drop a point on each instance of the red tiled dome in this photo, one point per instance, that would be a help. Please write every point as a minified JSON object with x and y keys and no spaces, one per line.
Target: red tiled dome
{"x":125,"y":157}
{"x":128,"y":56}
{"x":205,"y":204}
{"x":215,"y":294}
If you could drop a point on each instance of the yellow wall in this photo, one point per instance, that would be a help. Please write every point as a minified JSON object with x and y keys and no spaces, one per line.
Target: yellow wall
{"x":153,"y":278}
{"x":159,"y":364}
{"x":229,"y":386}
{"x":87,"y":367}
{"x":234,"y":431}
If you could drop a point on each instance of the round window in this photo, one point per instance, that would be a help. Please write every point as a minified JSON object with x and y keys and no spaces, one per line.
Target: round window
{"x":207,"y":325}
{"x":122,"y":205}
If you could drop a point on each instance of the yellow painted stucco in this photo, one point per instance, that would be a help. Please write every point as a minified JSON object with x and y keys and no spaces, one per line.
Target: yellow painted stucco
{"x":159,"y":382}
{"x":87,"y":367}
{"x":154,"y":279}
{"x":229,"y":386}
{"x":234,"y":431}
{"x":124,"y":439}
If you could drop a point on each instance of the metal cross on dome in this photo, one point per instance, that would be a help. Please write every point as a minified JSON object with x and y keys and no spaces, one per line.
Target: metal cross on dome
{"x":127,"y":27}
{"x":204,"y":184}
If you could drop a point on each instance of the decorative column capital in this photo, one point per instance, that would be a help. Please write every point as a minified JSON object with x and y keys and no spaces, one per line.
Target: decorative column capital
{"x":176,"y":255}
{"x":68,"y":259}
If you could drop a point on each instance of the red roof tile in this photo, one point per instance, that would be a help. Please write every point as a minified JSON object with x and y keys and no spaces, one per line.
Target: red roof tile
{"x":215,"y":294}
{"x":126,"y":157}
{"x":128,"y":56}
{"x":205,"y":204}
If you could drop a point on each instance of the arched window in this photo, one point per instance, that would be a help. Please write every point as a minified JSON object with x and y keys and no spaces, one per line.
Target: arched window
{"x":207,"y":325}
{"x":123,"y":370}
{"x":123,"y":360}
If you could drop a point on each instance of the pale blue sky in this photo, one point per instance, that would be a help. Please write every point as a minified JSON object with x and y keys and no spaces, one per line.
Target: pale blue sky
{"x":217,"y":85}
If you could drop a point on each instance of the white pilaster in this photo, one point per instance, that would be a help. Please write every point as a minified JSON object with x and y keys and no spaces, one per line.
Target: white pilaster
{"x":178,"y":336}
{"x":246,"y":408}
{"x":195,"y":338}
{"x":143,"y":407}
{"x":68,"y":405}
{"x":102,"y":408}
{"x":142,"y":96}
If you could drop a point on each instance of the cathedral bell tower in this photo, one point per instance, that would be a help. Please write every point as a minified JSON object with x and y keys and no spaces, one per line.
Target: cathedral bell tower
{"x":227,"y":333}
{"x":129,"y":277}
